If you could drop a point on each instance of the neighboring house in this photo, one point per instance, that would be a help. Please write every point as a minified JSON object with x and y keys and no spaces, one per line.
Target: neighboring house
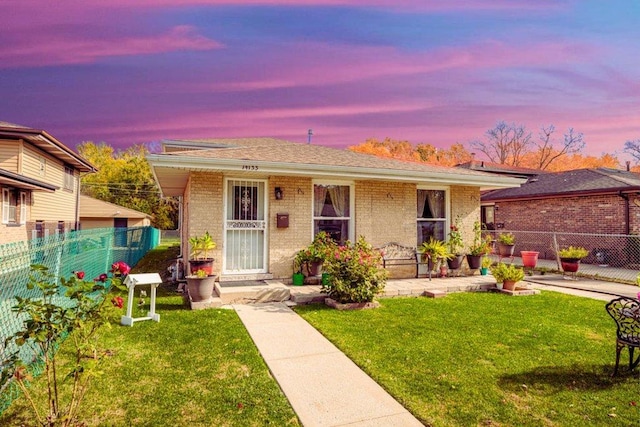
{"x":598,"y":200}
{"x":263,"y":199}
{"x":96,"y":213}
{"x":40,"y":183}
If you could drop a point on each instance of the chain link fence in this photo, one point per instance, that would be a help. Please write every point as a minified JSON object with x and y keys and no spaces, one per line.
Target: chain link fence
{"x":613,"y":257}
{"x":92,"y":251}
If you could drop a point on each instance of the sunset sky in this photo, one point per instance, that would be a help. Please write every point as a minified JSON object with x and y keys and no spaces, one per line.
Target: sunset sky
{"x":438,"y":72}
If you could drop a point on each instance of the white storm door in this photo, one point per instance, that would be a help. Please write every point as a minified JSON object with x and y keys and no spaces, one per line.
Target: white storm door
{"x":245,"y":227}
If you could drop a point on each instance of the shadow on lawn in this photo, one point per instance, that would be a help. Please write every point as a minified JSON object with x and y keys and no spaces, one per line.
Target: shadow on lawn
{"x":562,"y":378}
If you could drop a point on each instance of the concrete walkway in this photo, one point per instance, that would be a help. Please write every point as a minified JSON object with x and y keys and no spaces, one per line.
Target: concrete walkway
{"x":324,"y":387}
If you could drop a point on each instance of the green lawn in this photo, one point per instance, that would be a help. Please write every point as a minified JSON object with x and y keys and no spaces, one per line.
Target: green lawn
{"x":194,"y":368}
{"x":491,"y":360}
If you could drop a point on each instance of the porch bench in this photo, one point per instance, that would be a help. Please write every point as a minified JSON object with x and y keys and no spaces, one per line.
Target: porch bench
{"x":395,"y":254}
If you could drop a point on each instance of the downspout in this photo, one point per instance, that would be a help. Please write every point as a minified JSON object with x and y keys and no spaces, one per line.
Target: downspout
{"x":627,"y":227}
{"x":77,"y":224}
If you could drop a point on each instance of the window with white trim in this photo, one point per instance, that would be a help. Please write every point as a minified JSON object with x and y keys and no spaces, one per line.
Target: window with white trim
{"x":332,"y":210}
{"x":431,"y":215}
{"x":68,"y":178}
{"x":9,"y":206}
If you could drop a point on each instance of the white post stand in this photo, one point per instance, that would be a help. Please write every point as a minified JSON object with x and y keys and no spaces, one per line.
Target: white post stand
{"x":131,"y":281}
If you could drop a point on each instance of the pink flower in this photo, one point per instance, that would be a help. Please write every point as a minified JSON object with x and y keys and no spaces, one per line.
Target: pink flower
{"x":638,"y":295}
{"x":117,"y":301}
{"x":79,"y":274}
{"x":102,"y":278}
{"x":120,"y":267}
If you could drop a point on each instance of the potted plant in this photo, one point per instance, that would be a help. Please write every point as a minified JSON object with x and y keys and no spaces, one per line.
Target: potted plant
{"x":200,"y":286}
{"x":298,"y":277}
{"x":313,"y":256}
{"x":199,"y":258}
{"x":480,"y":246}
{"x":570,"y":258}
{"x":485,"y":264}
{"x":506,"y":243}
{"x":507,"y":274}
{"x":434,"y":251}
{"x":455,"y":247}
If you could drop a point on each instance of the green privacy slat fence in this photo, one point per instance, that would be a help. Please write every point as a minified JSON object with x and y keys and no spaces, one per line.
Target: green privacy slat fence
{"x":92,"y":251}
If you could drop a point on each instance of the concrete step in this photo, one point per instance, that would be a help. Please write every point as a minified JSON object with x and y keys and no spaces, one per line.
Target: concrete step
{"x":271,"y":291}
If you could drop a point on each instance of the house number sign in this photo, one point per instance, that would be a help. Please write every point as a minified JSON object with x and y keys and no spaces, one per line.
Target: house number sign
{"x":249,"y":167}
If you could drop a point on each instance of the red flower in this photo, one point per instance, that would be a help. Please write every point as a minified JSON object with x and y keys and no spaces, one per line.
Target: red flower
{"x":120,"y":267}
{"x":117,"y":301}
{"x":80,"y":274}
{"x":102,"y":278}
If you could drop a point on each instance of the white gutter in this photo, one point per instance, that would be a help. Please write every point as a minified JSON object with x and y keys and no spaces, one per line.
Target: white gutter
{"x":305,"y":169}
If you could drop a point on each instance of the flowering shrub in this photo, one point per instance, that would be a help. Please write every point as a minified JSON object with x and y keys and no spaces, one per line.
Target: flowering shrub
{"x":319,"y":250}
{"x":49,"y":319}
{"x":355,"y":273}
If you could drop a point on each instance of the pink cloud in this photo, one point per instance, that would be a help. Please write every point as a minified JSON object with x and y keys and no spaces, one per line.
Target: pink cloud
{"x":55,"y":49}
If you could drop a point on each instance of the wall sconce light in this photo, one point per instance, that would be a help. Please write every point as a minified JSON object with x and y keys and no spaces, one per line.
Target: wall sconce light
{"x":279,"y":193}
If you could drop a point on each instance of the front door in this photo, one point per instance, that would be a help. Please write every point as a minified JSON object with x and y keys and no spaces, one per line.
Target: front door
{"x":245,"y":227}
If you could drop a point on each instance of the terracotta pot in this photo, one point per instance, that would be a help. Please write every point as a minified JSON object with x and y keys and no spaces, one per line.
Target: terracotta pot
{"x":529,"y":258}
{"x":200,"y":288}
{"x":509,"y":285}
{"x":570,"y":265}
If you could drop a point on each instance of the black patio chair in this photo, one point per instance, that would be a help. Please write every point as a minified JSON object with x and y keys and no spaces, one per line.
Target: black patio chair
{"x":626,"y":313}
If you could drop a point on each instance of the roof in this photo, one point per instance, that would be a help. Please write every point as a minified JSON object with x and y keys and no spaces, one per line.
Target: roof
{"x":570,"y":183}
{"x":46,"y":143}
{"x":94,"y":208}
{"x":498,"y":168}
{"x":23,"y":182}
{"x":263,"y":157}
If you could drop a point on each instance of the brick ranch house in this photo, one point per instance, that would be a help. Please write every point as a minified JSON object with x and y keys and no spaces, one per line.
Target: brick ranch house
{"x":598,"y":201}
{"x":263,"y":199}
{"x":40,"y":184}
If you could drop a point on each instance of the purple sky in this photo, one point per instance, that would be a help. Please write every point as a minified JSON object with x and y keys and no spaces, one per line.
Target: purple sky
{"x":438,"y":72}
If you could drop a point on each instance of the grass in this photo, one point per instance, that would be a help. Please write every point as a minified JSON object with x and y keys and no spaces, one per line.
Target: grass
{"x":193,"y":368}
{"x":487,"y":359}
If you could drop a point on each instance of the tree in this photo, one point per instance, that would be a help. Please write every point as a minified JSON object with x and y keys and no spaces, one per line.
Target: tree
{"x":402,"y":150}
{"x":505,"y":143}
{"x":633,"y":148}
{"x":125,"y":178}
{"x":547,"y":153}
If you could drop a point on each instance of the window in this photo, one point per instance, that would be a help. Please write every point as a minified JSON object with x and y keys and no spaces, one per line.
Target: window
{"x":431,"y":215}
{"x":332,"y":211}
{"x":487,"y":217}
{"x":68,"y":178}
{"x":14,"y":206}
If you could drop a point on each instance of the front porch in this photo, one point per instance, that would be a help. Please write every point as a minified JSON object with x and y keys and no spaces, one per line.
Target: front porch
{"x":257,"y":291}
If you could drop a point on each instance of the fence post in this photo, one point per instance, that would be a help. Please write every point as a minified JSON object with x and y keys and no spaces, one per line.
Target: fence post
{"x":555,"y":250}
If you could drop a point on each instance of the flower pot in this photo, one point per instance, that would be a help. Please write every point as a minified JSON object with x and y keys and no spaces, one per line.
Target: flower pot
{"x":201,"y":264}
{"x":474,"y":261}
{"x":200,"y":288}
{"x":570,"y":265}
{"x":326,"y":279}
{"x":509,"y":285}
{"x":499,"y":285}
{"x":298,"y":279}
{"x":505,"y":250}
{"x":529,"y":258}
{"x":484,"y":271}
{"x":314,"y":268}
{"x":455,"y":262}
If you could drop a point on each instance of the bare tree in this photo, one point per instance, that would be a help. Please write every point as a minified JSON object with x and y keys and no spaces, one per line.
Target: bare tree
{"x":633,"y":148}
{"x":547,"y":152}
{"x":505,"y":143}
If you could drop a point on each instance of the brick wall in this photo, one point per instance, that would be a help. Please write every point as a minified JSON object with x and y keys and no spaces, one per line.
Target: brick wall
{"x":465,"y":207}
{"x":585,"y":214}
